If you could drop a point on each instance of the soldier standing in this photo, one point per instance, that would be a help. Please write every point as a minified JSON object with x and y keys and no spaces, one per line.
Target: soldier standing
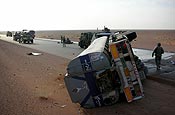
{"x":61,"y":39}
{"x":64,"y":42}
{"x":158,"y":51}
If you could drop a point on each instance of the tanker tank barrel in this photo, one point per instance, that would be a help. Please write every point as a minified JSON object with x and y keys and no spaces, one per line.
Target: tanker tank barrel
{"x":106,"y":69}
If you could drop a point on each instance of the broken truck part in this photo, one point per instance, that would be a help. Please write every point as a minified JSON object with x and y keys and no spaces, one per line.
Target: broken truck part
{"x":102,"y":72}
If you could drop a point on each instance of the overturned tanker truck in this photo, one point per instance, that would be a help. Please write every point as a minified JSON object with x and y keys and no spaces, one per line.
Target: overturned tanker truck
{"x":105,"y":71}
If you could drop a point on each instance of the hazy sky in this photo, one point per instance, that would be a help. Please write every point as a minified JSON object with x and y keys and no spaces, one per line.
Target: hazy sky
{"x":86,"y":14}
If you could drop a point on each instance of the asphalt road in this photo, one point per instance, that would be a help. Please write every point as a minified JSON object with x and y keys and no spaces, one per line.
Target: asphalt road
{"x":54,"y":47}
{"x":51,"y":47}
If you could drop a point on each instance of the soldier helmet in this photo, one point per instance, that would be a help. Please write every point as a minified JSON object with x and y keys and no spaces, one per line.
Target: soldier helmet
{"x":159,"y":44}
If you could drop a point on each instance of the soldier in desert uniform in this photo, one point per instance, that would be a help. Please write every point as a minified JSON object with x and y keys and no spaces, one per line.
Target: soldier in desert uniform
{"x":158,"y":51}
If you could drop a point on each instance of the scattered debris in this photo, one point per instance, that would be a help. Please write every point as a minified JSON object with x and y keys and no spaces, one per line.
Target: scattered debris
{"x":56,"y":104}
{"x":59,"y":105}
{"x":62,"y":106}
{"x":44,"y":97}
{"x":58,"y":79}
{"x":34,"y":54}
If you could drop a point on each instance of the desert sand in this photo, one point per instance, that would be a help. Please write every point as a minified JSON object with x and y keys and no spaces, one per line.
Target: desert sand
{"x":34,"y":85}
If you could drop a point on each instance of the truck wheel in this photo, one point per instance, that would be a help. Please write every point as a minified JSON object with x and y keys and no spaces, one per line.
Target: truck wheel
{"x":81,"y":46}
{"x":112,"y":99}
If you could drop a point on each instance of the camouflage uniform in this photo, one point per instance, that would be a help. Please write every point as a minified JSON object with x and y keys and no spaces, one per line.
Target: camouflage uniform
{"x":158,"y":51}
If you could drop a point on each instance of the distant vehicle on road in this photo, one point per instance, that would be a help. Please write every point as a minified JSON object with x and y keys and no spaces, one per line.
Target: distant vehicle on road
{"x":9,"y":34}
{"x":17,"y":36}
{"x":27,"y":36}
{"x":24,"y":36}
{"x":85,"y":39}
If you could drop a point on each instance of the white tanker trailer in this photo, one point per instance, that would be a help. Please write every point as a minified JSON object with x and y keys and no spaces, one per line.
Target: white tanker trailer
{"x":103,"y":71}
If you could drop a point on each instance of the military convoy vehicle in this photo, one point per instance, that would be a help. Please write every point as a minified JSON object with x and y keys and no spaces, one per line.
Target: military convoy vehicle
{"x":105,"y":72}
{"x":17,"y":36}
{"x":85,"y":39}
{"x":9,"y":34}
{"x":24,"y":36}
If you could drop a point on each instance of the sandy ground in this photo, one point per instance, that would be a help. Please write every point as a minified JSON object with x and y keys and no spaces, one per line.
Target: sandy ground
{"x":33,"y":85}
{"x":149,"y":39}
